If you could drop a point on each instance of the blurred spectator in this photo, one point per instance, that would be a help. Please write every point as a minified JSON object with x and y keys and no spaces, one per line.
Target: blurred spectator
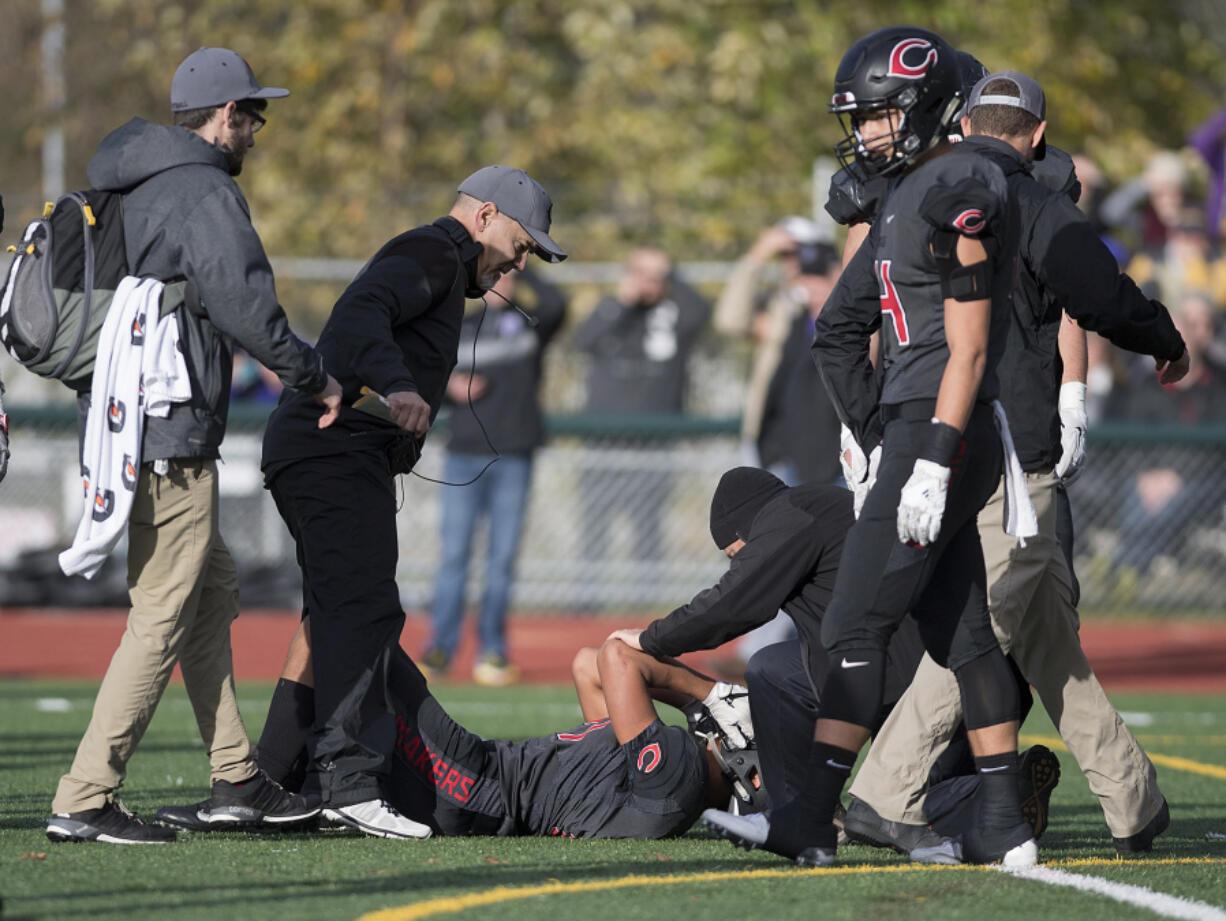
{"x":639,"y":343}
{"x":1188,"y":261}
{"x":251,"y":382}
{"x":747,"y":308}
{"x":502,"y":378}
{"x":800,"y":429}
{"x":1150,"y":205}
{"x":1177,"y":491}
{"x":1209,"y":140}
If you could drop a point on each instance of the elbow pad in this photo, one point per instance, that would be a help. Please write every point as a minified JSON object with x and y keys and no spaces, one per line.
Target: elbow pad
{"x":960,"y":282}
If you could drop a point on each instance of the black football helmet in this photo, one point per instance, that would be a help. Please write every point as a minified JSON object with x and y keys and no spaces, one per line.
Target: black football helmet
{"x":971,"y":71}
{"x":906,"y":68}
{"x":742,"y":769}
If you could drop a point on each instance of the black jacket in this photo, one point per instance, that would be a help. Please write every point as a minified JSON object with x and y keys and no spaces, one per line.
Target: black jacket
{"x":789,"y":562}
{"x":1063,"y":265}
{"x":396,"y":328}
{"x":508,"y":356}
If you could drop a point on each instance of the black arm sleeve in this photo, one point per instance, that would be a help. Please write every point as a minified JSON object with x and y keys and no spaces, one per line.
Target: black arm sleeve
{"x":762,"y":576}
{"x":841,"y":346}
{"x":1075,"y":266}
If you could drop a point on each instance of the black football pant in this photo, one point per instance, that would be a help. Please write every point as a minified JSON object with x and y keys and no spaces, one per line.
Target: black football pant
{"x":341,"y":512}
{"x":943,"y":585}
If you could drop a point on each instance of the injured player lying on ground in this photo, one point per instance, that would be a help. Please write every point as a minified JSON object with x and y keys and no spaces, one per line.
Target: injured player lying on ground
{"x":622,"y":773}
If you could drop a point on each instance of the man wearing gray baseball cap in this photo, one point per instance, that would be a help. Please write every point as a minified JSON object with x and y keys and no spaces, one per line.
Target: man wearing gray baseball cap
{"x":394,"y":331}
{"x":184,"y":217}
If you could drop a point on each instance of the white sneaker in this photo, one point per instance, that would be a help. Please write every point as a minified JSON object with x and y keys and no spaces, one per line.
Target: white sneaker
{"x":729,"y":705}
{"x":378,"y":818}
{"x":1022,"y":857}
{"x":747,"y":831}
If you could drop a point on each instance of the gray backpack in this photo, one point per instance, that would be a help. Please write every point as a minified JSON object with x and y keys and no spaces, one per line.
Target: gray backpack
{"x":59,"y":286}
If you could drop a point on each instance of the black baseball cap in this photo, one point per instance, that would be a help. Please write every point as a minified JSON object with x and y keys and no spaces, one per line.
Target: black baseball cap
{"x":521,"y":198}
{"x":817,"y":258}
{"x":214,"y":76}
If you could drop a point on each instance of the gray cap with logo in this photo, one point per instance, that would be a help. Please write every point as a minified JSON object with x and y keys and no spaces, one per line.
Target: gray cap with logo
{"x":1028,"y":97}
{"x":521,"y":198}
{"x":214,"y":76}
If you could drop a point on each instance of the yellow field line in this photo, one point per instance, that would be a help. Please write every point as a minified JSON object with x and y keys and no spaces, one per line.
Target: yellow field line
{"x":501,"y":894}
{"x":1171,"y":761}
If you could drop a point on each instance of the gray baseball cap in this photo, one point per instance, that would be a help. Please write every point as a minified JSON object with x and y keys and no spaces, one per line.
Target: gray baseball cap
{"x":521,"y":198}
{"x":214,"y":76}
{"x":1029,"y":98}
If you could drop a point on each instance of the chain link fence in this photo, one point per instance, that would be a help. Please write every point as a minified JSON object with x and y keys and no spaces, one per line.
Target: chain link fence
{"x":618,"y":518}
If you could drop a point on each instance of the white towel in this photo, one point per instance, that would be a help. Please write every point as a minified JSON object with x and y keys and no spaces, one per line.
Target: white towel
{"x":1020,"y":518}
{"x":138,"y":369}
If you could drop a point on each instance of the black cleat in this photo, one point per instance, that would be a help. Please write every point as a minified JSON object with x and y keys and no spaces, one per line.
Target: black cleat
{"x":256,"y":802}
{"x":109,"y":824}
{"x":1040,"y":772}
{"x":865,"y":826}
{"x":1143,"y":841}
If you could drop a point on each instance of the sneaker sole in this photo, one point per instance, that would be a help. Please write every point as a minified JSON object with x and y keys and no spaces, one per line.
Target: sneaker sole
{"x":1042,"y":775}
{"x":245,"y":817}
{"x":336,"y":818}
{"x":62,"y":835}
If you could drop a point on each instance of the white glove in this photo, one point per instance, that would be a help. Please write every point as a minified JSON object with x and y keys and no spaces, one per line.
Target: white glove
{"x":859,"y":472}
{"x":728,"y":704}
{"x":922,"y":503}
{"x":1073,"y":424}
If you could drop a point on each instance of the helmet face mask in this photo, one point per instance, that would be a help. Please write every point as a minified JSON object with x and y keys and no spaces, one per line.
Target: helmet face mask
{"x":910,"y":70}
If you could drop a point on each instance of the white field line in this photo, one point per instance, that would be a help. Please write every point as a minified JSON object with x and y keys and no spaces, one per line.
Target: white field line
{"x":1168,"y":906}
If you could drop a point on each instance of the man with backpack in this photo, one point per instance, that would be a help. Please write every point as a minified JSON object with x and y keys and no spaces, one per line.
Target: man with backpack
{"x":185,"y":218}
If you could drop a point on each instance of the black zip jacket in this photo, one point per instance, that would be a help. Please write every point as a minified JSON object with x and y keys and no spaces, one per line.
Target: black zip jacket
{"x":396,"y":328}
{"x":1063,"y":265}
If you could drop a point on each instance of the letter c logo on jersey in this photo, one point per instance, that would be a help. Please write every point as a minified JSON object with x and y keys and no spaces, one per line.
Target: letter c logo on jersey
{"x":970,"y":221}
{"x":898,"y":64}
{"x":650,"y":758}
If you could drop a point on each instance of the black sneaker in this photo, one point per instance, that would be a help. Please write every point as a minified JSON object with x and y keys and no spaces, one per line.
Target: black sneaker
{"x":434,"y":663}
{"x":1040,"y":772}
{"x":1143,"y":841}
{"x":257,"y":801}
{"x":110,"y":824}
{"x":864,"y":825}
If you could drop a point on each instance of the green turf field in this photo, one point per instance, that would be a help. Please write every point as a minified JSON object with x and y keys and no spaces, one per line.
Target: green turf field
{"x":333,"y":876}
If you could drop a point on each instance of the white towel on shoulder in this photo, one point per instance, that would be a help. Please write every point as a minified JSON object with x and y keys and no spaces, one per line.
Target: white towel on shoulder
{"x":139,"y":368}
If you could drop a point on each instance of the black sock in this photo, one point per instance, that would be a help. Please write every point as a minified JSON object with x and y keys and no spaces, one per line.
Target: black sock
{"x":806,"y":820}
{"x":281,"y":751}
{"x":1000,"y":804}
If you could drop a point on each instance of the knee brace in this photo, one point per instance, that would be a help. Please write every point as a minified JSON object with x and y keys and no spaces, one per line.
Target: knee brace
{"x":854,"y":687}
{"x":989,"y":691}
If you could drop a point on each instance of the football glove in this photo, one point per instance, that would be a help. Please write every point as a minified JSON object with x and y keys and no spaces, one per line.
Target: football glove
{"x":728,"y":705}
{"x":922,"y":503}
{"x":1072,"y":406}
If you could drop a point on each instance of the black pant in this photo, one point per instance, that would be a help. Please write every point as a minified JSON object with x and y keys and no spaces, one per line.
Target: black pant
{"x":943,"y":585}
{"x":341,"y":511}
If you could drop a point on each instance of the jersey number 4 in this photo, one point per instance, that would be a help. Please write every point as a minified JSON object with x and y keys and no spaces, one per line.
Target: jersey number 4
{"x":890,"y":304}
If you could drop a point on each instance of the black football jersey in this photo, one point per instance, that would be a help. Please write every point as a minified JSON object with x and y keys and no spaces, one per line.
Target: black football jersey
{"x":582,"y":784}
{"x":959,"y":192}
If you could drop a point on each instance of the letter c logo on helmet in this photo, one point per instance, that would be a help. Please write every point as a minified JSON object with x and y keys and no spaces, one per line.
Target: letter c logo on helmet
{"x":900,"y":68}
{"x":970,"y":221}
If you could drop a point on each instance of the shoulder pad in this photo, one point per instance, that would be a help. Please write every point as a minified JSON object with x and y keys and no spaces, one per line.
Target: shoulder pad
{"x":855,"y":199}
{"x":970,"y":208}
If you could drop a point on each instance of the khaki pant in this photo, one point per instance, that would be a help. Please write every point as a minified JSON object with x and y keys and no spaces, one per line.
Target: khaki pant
{"x":1031,"y":602}
{"x":184,"y":592}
